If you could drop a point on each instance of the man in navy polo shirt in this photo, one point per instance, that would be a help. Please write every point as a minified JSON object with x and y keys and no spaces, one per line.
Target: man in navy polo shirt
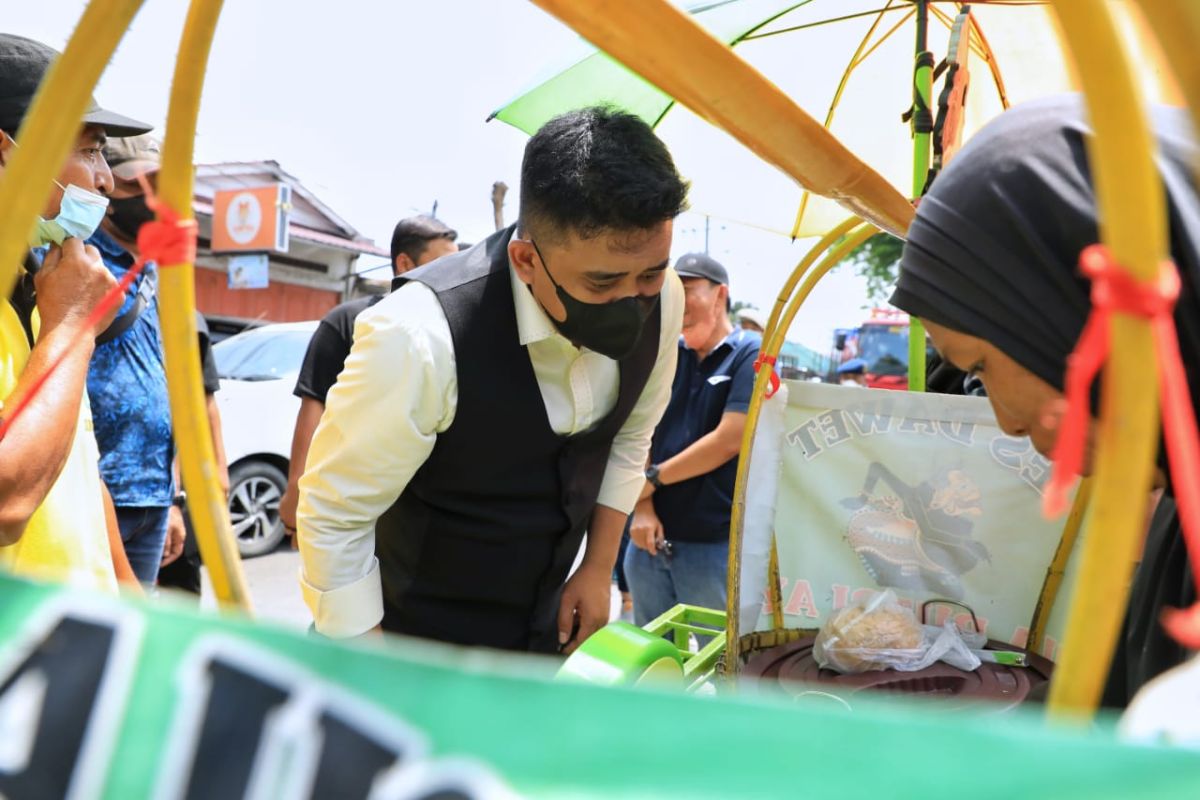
{"x":680,"y":527}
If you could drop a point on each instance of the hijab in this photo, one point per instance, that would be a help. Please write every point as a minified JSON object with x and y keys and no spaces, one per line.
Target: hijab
{"x":994,"y":248}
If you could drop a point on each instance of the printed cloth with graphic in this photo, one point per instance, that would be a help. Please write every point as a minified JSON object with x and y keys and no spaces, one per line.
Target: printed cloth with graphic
{"x":919,"y":493}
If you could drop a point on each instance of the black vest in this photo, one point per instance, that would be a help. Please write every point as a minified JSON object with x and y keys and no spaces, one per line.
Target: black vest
{"x":476,"y":549}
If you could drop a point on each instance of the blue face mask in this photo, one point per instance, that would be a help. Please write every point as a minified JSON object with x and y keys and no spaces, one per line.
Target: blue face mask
{"x":79,"y":214}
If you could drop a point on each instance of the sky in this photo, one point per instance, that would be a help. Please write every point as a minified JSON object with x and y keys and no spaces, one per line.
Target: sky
{"x":380,"y":107}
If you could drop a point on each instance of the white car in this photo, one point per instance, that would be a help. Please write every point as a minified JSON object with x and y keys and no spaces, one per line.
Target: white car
{"x":258,"y":371}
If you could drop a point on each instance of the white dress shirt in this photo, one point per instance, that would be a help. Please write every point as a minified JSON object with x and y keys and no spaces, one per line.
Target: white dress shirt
{"x":399,"y":390}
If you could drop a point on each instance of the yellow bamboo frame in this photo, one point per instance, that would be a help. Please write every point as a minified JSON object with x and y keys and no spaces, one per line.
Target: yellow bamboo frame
{"x":672,"y":51}
{"x":197,"y":461}
{"x":777,"y":310}
{"x":52,"y":126}
{"x":773,"y":341}
{"x":857,"y":58}
{"x":1176,"y":25}
{"x":1132,"y":209}
{"x":667,"y":47}
{"x":1058,"y":568}
{"x":48,"y":133}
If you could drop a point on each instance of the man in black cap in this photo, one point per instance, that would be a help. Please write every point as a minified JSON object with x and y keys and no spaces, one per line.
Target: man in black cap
{"x":416,"y":241}
{"x":55,"y":515}
{"x":680,"y":528}
{"x":499,"y":403}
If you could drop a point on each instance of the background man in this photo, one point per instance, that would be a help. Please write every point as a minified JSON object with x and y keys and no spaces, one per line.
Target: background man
{"x":129,"y":398}
{"x":415,"y":242}
{"x":681,"y":525}
{"x":751,"y":319}
{"x":853,"y":373}
{"x":127,"y":383}
{"x":499,"y":403}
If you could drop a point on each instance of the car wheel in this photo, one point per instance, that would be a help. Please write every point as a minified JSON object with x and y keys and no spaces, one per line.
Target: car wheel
{"x":255,"y":489}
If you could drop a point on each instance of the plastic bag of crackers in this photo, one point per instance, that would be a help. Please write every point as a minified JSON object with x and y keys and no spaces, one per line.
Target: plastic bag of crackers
{"x":880,"y":633}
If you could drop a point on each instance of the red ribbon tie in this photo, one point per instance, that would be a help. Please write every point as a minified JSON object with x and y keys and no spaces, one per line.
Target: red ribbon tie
{"x":774,"y":379}
{"x":1114,"y":290}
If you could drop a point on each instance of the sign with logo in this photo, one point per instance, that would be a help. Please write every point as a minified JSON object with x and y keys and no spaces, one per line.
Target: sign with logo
{"x":249,"y":271}
{"x":105,"y":698}
{"x":251,"y":219}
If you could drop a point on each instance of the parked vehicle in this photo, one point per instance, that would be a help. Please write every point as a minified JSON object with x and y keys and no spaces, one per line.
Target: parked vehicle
{"x":258,"y":371}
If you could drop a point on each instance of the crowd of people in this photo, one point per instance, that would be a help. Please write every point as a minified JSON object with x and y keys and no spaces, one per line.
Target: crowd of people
{"x":458,"y":437}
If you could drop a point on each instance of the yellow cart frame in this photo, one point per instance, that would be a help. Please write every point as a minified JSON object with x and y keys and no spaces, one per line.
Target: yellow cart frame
{"x":664,"y":45}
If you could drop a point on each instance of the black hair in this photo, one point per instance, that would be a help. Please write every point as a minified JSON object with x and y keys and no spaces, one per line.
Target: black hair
{"x":412,"y":235}
{"x":597,"y":169}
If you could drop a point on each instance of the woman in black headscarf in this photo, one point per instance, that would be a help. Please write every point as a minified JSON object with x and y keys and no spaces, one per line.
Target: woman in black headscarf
{"x":991,"y":267}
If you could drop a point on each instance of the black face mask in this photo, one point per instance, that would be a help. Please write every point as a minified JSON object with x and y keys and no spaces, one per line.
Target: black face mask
{"x":611,"y":329}
{"x":129,"y":214}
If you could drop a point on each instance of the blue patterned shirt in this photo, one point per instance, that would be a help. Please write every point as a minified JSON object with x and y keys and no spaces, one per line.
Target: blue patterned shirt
{"x":127,"y":386}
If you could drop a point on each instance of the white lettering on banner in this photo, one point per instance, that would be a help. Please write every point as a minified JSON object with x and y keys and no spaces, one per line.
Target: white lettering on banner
{"x":251,"y":723}
{"x":63,"y":684}
{"x":1019,"y":456}
{"x":833,"y":425}
{"x":868,"y":422}
{"x":910,"y":425}
{"x":831,"y":428}
{"x":958,"y":432}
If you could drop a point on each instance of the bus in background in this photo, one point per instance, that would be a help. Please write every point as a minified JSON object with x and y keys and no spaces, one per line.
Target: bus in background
{"x":882,"y":342}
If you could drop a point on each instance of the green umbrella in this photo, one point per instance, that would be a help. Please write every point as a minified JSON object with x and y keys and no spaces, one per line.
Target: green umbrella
{"x":589,"y":77}
{"x":851,"y":62}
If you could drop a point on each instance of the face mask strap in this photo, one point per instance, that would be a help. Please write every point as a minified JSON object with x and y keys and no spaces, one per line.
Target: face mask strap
{"x":545,"y":266}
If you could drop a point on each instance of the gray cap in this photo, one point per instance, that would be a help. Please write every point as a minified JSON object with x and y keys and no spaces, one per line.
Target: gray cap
{"x":130,"y":156}
{"x":699,"y":265}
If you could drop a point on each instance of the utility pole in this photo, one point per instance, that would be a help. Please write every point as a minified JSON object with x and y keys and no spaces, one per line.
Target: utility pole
{"x":706,"y":234}
{"x":434,"y":213}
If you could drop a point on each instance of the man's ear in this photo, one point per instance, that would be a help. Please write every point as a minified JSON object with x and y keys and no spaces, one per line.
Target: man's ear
{"x":402,"y":264}
{"x":524,"y":259}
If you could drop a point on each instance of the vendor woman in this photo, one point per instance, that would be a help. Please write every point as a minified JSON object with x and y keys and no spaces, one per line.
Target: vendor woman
{"x":991,"y":267}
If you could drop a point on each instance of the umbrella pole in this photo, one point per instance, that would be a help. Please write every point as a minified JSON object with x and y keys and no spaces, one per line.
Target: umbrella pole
{"x":922,"y":126}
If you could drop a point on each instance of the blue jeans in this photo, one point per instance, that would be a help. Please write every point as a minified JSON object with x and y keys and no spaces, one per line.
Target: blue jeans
{"x":694,"y":573}
{"x":144,"y":531}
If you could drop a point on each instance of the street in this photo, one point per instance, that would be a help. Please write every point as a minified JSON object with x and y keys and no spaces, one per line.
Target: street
{"x":275,"y":589}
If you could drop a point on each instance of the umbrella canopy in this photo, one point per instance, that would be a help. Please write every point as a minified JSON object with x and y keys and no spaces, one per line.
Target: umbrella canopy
{"x":849,"y":63}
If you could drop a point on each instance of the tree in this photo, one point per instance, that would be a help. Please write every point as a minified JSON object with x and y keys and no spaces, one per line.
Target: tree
{"x":878,"y":260}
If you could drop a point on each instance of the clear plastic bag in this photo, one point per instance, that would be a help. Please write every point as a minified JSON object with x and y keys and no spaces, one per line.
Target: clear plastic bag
{"x":882,"y":634}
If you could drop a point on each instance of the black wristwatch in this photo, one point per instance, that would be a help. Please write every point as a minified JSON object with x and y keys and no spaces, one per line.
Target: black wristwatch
{"x":179,"y":500}
{"x":652,"y":476}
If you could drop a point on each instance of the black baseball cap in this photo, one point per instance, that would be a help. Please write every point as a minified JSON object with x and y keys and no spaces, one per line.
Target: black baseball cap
{"x":23,"y":64}
{"x":699,"y":265}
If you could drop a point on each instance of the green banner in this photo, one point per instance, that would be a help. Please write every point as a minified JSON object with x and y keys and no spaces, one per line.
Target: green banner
{"x":106,"y":698}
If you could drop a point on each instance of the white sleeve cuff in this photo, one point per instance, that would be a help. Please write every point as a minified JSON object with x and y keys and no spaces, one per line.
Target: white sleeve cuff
{"x":348,"y":610}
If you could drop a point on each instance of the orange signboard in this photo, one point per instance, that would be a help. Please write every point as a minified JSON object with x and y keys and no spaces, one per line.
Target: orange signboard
{"x":251,"y":219}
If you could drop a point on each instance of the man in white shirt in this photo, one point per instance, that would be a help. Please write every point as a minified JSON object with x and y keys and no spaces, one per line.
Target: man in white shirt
{"x":496,"y":407}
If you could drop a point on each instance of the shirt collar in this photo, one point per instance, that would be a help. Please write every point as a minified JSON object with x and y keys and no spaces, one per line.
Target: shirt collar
{"x":533,"y":323}
{"x":733,"y":339}
{"x":108,"y":246}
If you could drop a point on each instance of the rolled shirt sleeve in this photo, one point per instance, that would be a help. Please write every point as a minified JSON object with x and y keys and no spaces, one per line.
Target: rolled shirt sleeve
{"x":398,"y":390}
{"x":625,"y":473}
